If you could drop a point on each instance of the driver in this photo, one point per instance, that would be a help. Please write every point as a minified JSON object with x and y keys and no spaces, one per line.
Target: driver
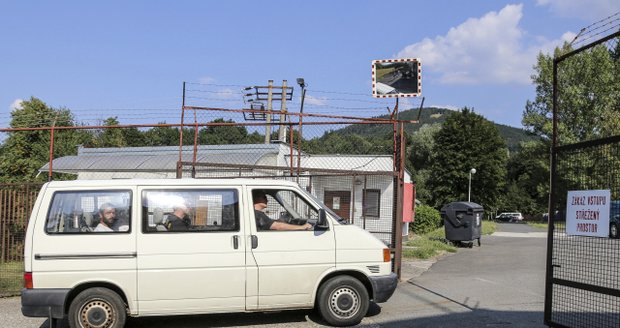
{"x":264,"y":222}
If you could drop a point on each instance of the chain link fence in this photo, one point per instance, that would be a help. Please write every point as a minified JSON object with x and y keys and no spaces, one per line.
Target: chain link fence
{"x":346,"y":163}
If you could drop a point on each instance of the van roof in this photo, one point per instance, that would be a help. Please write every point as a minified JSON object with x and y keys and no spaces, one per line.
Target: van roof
{"x":168,"y":182}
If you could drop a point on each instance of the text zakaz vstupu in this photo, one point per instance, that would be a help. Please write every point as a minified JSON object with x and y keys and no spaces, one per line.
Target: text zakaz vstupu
{"x":588,"y":214}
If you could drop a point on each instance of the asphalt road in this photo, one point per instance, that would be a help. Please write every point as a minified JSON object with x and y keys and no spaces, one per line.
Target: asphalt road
{"x":500,"y":284}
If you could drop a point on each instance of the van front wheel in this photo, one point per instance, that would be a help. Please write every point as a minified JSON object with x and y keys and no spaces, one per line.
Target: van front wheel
{"x":97,"y":307}
{"x":343,"y":301}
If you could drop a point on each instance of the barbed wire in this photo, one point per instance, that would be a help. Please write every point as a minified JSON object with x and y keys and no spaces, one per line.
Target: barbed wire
{"x":325,"y":102}
{"x":592,"y":32}
{"x":217,"y":85}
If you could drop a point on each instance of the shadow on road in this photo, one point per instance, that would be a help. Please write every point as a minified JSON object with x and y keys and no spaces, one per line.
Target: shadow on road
{"x":230,"y":319}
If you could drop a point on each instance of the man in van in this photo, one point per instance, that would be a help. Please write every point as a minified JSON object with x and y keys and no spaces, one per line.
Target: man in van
{"x":107,"y":216}
{"x":264,"y":222}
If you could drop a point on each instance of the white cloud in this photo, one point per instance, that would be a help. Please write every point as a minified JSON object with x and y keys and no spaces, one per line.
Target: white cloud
{"x":591,"y":10}
{"x":489,"y":49}
{"x":16,"y":104}
{"x":315,"y":101}
{"x":207,"y":80}
{"x":227,"y":93}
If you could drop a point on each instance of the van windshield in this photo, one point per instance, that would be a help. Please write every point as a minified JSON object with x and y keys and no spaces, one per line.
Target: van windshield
{"x":327,"y":209}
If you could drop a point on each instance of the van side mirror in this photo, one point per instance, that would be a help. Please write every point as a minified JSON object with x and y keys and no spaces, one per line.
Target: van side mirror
{"x":322,"y":222}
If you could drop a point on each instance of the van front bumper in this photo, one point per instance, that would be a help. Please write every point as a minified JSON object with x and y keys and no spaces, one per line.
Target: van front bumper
{"x":44,"y":302}
{"x":383,"y":287}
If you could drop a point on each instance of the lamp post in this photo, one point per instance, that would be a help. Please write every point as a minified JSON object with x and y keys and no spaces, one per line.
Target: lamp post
{"x":472,"y":171}
{"x":302,"y":84}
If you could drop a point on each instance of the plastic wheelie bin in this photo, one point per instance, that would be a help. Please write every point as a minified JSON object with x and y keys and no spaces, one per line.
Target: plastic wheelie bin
{"x":462,"y":222}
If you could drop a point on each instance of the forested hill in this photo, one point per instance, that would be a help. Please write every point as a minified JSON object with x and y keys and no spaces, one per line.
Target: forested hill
{"x":431,"y":115}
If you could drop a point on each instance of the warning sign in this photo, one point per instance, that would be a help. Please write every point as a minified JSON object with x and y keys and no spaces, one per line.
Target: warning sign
{"x":587,"y":213}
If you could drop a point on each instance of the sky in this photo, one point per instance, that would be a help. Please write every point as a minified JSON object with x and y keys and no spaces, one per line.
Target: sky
{"x":129,"y":59}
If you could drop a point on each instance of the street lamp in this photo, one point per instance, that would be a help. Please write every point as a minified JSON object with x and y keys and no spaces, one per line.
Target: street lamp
{"x":472,"y":171}
{"x":302,"y":85}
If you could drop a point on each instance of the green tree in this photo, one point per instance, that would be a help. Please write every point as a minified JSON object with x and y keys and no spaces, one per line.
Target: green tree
{"x":112,"y":137}
{"x":588,"y":107}
{"x":421,"y":150}
{"x":161,"y":136}
{"x":588,"y":103}
{"x":24,"y":152}
{"x":467,"y":140}
{"x":528,"y":176}
{"x":133,"y":137}
{"x":333,"y":142}
{"x":224,"y":134}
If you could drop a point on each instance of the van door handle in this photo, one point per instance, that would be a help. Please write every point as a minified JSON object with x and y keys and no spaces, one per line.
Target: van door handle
{"x":235,"y":242}
{"x":254,"y":241}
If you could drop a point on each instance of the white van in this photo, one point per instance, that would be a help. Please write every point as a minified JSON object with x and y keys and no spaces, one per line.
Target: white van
{"x":99,"y":250}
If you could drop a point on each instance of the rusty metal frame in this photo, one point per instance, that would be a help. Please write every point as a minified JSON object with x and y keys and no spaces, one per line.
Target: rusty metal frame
{"x":398,"y":155}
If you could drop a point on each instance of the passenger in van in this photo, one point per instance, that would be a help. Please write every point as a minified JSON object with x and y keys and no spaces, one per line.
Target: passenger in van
{"x":107,"y":216}
{"x":178,"y":220}
{"x":122,"y":222}
{"x":264,"y":222}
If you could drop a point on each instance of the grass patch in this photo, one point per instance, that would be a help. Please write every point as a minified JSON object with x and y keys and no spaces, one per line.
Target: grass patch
{"x":11,"y":277}
{"x":488,"y":227}
{"x":424,"y":248}
{"x":432,"y":244}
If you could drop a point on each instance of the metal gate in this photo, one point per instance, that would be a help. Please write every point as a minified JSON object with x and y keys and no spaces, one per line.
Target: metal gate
{"x":583,"y":272}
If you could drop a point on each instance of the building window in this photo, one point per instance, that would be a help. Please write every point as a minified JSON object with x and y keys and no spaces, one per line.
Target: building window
{"x":372,"y":202}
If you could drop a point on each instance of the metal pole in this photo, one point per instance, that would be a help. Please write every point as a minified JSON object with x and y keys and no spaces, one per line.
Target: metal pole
{"x":282,"y":130}
{"x":179,"y":167}
{"x":552,"y":200}
{"x":195,"y":156}
{"x":269,"y":109}
{"x":300,"y":136}
{"x":290,"y":147}
{"x":398,"y":220}
{"x":469,"y":192}
{"x":471,"y":171}
{"x":49,"y":174}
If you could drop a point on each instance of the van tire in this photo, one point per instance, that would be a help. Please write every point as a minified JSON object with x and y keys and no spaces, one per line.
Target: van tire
{"x":97,"y":307}
{"x":343,"y":301}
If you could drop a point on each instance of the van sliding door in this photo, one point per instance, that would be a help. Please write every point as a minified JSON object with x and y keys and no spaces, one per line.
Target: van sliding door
{"x":191,"y":253}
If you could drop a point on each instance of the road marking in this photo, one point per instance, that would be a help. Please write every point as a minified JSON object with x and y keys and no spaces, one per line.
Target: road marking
{"x":520,"y":234}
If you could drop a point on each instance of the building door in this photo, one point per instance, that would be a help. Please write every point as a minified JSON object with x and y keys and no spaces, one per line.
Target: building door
{"x":339,"y":202}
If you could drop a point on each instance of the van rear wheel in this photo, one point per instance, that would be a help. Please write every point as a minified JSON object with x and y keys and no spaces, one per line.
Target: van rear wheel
{"x":343,"y":301}
{"x":97,"y":308}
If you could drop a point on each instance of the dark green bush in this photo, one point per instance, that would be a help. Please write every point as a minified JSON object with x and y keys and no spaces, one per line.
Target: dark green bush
{"x":426,"y":219}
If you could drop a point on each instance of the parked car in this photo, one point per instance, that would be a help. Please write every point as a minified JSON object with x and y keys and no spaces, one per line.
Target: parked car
{"x":509,"y":217}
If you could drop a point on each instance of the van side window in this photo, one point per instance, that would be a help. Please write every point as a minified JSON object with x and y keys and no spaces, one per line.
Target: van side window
{"x":190,"y":210}
{"x":284,"y":206}
{"x":89,"y":211}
